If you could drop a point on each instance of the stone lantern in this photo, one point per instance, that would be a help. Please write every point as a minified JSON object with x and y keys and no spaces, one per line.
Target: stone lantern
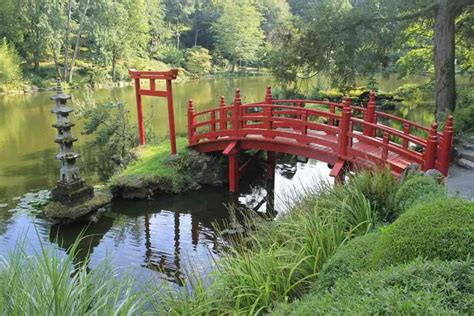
{"x":71,"y":189}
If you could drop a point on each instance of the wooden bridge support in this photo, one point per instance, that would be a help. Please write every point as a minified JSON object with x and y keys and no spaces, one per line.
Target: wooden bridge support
{"x":232,"y":151}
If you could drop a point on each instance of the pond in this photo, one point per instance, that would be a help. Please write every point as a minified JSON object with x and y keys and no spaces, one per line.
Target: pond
{"x":174,"y":234}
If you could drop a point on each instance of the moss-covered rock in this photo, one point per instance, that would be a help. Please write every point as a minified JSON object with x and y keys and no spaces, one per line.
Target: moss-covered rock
{"x":442,"y":228}
{"x":156,"y":172}
{"x":64,"y":213}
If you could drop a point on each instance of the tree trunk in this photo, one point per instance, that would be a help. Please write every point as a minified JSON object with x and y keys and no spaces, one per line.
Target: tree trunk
{"x":196,"y":37}
{"x":36,"y":62}
{"x":56,"y":63}
{"x":114,"y":64}
{"x":66,"y":40}
{"x":78,"y":42}
{"x":178,"y":34}
{"x":444,"y":36}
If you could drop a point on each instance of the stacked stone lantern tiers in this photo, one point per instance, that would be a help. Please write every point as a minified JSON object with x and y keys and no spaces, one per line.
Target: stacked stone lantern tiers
{"x":71,"y":189}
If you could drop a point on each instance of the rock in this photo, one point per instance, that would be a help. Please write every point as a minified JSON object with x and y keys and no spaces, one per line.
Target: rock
{"x":469,"y":146}
{"x":66,"y":214}
{"x":467,"y":164}
{"x":3,"y":205}
{"x":435,"y":174}
{"x":410,"y":170}
{"x":208,"y":169}
{"x":468,"y":154}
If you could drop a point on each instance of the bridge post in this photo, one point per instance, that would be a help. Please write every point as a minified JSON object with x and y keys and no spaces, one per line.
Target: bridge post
{"x":234,"y":177}
{"x":370,"y":115}
{"x":223,"y":115}
{"x":236,"y":113}
{"x":141,"y":124}
{"x":332,"y":110}
{"x":343,"y":140}
{"x":268,"y":95}
{"x":271,"y":161}
{"x":190,"y":122}
{"x":237,"y":104}
{"x":431,"y":148}
{"x":406,"y":131}
{"x":446,"y":147}
{"x":268,"y":111}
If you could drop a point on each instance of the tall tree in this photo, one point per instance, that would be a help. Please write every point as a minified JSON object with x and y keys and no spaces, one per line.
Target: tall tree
{"x":238,"y":32}
{"x":177,"y":14}
{"x":344,"y":37}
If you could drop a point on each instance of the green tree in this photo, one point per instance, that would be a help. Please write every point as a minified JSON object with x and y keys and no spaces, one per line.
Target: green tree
{"x":238,"y":33}
{"x":119,"y":30}
{"x":344,"y":38}
{"x":177,"y":14}
{"x":10,"y":71}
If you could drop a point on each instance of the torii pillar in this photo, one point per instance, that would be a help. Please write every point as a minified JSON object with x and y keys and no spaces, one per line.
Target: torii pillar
{"x":152,"y":76}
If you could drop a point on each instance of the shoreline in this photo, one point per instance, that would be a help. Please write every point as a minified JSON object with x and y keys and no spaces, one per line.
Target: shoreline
{"x":120,"y":84}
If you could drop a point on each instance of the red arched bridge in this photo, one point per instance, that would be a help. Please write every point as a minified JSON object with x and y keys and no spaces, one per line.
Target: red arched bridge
{"x":343,"y":135}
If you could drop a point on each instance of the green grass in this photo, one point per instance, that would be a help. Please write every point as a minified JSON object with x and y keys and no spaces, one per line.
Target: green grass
{"x":153,"y":161}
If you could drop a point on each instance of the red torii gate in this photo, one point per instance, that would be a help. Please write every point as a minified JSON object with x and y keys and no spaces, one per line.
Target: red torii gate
{"x":139,"y":92}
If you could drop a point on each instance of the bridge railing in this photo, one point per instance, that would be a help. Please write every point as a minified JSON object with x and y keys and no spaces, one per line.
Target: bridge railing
{"x":342,"y":128}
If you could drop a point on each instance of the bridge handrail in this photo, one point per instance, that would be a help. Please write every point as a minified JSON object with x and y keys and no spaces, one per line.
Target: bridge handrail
{"x":392,"y":131}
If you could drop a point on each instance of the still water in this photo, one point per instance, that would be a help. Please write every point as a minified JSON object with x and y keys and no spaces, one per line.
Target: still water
{"x":174,"y":234}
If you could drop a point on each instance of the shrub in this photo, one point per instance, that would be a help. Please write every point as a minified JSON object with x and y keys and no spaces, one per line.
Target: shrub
{"x":10,"y":71}
{"x":464,"y":112}
{"x":198,"y":61}
{"x":352,"y":257}
{"x":114,"y":135}
{"x":171,"y":55}
{"x":443,"y":228}
{"x":417,"y":189}
{"x":417,"y":288}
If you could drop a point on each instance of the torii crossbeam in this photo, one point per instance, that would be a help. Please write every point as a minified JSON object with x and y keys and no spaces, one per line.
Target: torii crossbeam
{"x":153,"y":76}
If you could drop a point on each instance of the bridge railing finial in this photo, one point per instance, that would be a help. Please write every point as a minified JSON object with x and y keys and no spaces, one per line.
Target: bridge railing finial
{"x":370,"y":115}
{"x":268,"y":95}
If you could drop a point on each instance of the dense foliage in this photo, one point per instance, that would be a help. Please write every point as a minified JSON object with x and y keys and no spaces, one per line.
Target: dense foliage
{"x":416,"y":288}
{"x":91,"y":41}
{"x":442,"y":228}
{"x":417,"y":189}
{"x":10,"y":71}
{"x":352,"y":257}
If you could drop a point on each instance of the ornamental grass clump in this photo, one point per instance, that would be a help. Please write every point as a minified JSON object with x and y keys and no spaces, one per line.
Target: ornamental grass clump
{"x":51,"y":283}
{"x":439,"y":229}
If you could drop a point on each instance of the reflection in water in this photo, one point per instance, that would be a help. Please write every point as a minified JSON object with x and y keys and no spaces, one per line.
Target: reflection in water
{"x":175,"y":235}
